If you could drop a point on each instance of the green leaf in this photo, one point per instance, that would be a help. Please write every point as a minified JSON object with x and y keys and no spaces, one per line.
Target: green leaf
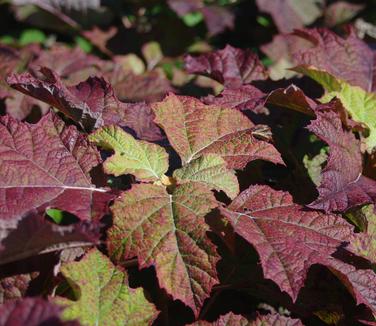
{"x":84,"y":44}
{"x":193,"y":18}
{"x":211,"y":170}
{"x":56,"y":215}
{"x":358,"y":103}
{"x":32,"y":36}
{"x":103,"y":296}
{"x":146,"y":161}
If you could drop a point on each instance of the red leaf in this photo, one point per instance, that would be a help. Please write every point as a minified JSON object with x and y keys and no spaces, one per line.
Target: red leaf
{"x":342,"y":184}
{"x":230,"y":66}
{"x":288,"y":238}
{"x":46,"y":165}
{"x":32,"y":312}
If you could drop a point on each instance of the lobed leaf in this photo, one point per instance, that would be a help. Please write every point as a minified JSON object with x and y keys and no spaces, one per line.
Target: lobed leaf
{"x":230,"y":66}
{"x":103,"y":296}
{"x":168,"y":231}
{"x":194,"y":129}
{"x":47,"y":165}
{"x":210,"y":170}
{"x":147,"y":161}
{"x":288,"y":238}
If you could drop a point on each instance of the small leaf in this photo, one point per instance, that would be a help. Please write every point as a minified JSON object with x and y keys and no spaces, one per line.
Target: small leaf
{"x":146,"y":161}
{"x":211,"y":170}
{"x":103,"y":296}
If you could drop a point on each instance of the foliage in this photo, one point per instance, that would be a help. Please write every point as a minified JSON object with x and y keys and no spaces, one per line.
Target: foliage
{"x":187,"y":163}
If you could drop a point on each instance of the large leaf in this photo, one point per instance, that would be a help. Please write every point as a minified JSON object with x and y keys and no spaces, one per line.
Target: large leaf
{"x":210,"y":170}
{"x":342,"y":184}
{"x":194,"y":129}
{"x":102,"y":293}
{"x":349,"y":59}
{"x":230,"y":66}
{"x":145,"y":160}
{"x":168,"y":231}
{"x":33,"y":235}
{"x":357,"y":102}
{"x":46,"y":165}
{"x":32,"y":312}
{"x":91,"y":103}
{"x":289,"y":15}
{"x":288,"y":238}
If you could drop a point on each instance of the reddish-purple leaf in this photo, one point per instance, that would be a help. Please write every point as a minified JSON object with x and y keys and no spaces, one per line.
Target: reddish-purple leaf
{"x":195,"y":129}
{"x":230,"y":66}
{"x":217,"y":19}
{"x":32,"y":312}
{"x":340,"y":12}
{"x":231,"y":319}
{"x":288,"y":238}
{"x":72,"y":65}
{"x":246,"y":97}
{"x":347,"y":58}
{"x":91,"y":104}
{"x":46,"y":165}
{"x":183,"y":7}
{"x":360,"y":283}
{"x":292,"y":97}
{"x":289,"y":15}
{"x":342,"y":184}
{"x":32,"y":235}
{"x":168,"y":231}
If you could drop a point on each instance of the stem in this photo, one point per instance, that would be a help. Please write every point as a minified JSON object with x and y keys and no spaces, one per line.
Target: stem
{"x":130,"y":263}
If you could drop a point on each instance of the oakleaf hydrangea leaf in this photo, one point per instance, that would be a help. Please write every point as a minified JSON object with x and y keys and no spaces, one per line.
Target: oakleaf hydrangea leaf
{"x":168,"y":231}
{"x":358,"y":103}
{"x":147,"y":161}
{"x":342,"y":184}
{"x":365,"y":242}
{"x":347,"y":58}
{"x":211,"y":170}
{"x":289,"y":15}
{"x":32,"y":312}
{"x":231,"y":319}
{"x":46,"y":165}
{"x":91,"y":103}
{"x":230,"y":66}
{"x":288,"y":238}
{"x":194,"y":129}
{"x":103,"y":296}
{"x":32,"y":235}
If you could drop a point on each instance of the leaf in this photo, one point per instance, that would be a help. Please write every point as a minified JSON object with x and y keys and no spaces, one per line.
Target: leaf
{"x":230,"y":66}
{"x":292,"y":97}
{"x":341,"y":12}
{"x":32,"y":312}
{"x":289,"y":15}
{"x":365,"y":242}
{"x":288,"y":238}
{"x":342,"y":184}
{"x":194,"y":129}
{"x":91,"y":103}
{"x":168,"y":231}
{"x":349,"y":59}
{"x":218,"y":19}
{"x":357,"y":102}
{"x":103,"y":296}
{"x":147,"y":161}
{"x":360,"y":283}
{"x":47,"y":165}
{"x":231,"y":319}
{"x":33,"y":235}
{"x":210,"y":170}
{"x":247,"y":97}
